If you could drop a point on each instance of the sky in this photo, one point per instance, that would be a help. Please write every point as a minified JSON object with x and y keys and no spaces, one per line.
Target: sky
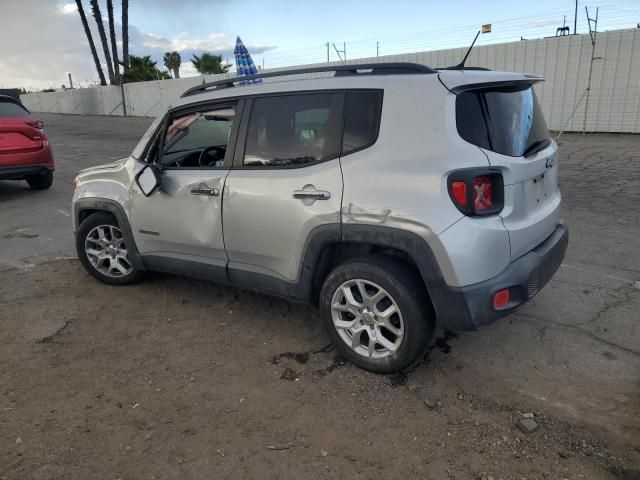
{"x":43,"y":39}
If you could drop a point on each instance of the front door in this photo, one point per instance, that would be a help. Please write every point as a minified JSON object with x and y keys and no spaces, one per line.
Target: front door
{"x":180,"y":226}
{"x":286,"y":181}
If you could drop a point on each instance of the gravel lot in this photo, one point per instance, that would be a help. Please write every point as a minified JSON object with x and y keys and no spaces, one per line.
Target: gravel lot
{"x":177,"y":378}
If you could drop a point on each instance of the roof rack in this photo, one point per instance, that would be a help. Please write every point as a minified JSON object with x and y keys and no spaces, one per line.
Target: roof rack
{"x":340,"y":70}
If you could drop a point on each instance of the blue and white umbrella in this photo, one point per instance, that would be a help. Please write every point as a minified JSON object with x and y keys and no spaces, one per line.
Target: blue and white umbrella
{"x":244,"y":64}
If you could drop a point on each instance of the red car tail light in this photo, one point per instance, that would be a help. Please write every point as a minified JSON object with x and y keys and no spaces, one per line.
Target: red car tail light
{"x":476,"y":191}
{"x":36,"y":124}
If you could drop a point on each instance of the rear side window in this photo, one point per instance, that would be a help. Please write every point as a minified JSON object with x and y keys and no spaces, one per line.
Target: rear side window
{"x":10,"y":109}
{"x":361,"y":120}
{"x":293,"y":130}
{"x":504,"y":120}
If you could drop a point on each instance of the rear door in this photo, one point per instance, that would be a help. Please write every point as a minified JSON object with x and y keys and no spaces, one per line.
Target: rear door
{"x":286,"y":181}
{"x":506,"y":122}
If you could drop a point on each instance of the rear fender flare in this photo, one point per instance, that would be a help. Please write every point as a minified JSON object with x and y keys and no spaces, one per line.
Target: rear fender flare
{"x":449,"y":305}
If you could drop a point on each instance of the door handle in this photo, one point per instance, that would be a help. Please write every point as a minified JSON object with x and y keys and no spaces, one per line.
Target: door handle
{"x":312,"y":194}
{"x":210,"y":192}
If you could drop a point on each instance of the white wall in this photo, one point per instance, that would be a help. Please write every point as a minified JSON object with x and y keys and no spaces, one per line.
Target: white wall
{"x":614,"y":104}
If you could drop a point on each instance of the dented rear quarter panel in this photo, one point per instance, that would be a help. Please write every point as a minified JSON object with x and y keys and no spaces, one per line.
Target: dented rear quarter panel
{"x":401,"y":181}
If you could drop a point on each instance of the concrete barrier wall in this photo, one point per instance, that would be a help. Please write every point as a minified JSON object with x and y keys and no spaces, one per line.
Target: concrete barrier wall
{"x":614,"y":100}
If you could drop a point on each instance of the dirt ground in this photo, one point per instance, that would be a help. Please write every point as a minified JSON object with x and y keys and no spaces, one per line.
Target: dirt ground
{"x":178,"y":378}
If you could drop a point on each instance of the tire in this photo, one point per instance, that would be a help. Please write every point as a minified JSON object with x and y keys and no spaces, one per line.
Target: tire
{"x":40,"y":181}
{"x":100,"y":232}
{"x":409,"y":328}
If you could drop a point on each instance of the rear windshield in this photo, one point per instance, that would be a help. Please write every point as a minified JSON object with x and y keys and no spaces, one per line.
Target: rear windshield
{"x":504,"y":120}
{"x":10,"y":109}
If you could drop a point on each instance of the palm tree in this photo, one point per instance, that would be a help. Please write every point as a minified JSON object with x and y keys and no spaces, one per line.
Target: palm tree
{"x":95,"y":8}
{"x":172,"y":61}
{"x":125,"y":34}
{"x":92,"y":46}
{"x":208,"y":63}
{"x":142,"y":69}
{"x":114,"y":45}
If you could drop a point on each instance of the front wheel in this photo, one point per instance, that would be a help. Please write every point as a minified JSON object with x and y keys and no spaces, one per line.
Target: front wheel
{"x":103,"y":252}
{"x":377,"y":314}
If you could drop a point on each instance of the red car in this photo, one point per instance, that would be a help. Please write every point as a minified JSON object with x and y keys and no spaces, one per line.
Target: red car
{"x":25,"y":153}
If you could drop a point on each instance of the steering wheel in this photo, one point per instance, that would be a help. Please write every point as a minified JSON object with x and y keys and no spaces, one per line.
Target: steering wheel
{"x":220,"y":150}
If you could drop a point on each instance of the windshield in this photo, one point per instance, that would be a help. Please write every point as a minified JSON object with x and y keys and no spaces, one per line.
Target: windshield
{"x":504,"y":120}
{"x":139,"y":150}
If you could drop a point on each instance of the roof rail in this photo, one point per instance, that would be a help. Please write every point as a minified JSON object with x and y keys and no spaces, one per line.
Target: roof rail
{"x":340,"y":70}
{"x":456,"y":67}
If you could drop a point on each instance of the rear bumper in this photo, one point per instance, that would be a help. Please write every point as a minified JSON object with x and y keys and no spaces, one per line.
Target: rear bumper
{"x":17,"y":165}
{"x":17,"y":173}
{"x":470,"y":307}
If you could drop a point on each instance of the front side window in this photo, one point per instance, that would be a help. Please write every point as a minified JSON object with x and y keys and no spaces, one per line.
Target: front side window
{"x":293,"y":130}
{"x":198,"y":139}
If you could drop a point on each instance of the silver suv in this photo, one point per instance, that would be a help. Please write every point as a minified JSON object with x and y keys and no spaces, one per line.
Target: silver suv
{"x":393,"y":196}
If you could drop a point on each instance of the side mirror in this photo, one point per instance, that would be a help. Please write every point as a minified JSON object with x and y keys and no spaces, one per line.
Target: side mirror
{"x":149,"y":180}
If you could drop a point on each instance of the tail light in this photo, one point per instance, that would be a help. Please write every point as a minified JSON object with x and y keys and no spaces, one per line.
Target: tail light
{"x":476,"y":191}
{"x":36,"y":124}
{"x":501,"y":299}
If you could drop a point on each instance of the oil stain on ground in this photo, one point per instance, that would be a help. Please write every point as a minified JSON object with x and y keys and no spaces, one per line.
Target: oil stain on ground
{"x":303,"y":357}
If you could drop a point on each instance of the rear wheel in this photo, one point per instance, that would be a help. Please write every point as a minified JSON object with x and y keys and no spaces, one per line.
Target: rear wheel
{"x":40,"y":181}
{"x":103,"y":252}
{"x":377,"y":314}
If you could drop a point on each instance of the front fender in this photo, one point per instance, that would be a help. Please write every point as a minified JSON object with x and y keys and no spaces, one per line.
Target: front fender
{"x":95,"y":204}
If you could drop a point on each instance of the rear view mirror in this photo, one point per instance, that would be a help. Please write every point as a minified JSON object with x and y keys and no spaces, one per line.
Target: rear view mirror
{"x":149,"y":180}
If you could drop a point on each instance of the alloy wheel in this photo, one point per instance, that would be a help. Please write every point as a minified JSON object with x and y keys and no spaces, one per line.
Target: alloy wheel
{"x":107,"y":252}
{"x":367,"y":318}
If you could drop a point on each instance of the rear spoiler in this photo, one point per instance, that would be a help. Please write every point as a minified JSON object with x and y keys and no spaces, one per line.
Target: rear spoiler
{"x":529,"y":80}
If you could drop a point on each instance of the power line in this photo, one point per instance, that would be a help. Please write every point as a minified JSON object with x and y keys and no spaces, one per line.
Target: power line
{"x":538,"y":25}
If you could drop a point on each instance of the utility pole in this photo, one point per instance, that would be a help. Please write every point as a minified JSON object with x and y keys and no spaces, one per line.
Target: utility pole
{"x":70,"y":80}
{"x":343,"y":52}
{"x":592,"y":34}
{"x":327,"y":52}
{"x":124,"y":100}
{"x":377,"y":49}
{"x":575,"y":20}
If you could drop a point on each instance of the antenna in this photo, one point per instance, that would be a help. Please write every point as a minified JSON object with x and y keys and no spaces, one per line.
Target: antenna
{"x":461,"y":64}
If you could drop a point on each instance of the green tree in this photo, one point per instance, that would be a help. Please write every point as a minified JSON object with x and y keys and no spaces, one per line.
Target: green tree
{"x":125,"y":34}
{"x":172,"y":61}
{"x":114,"y":45}
{"x":142,"y":69}
{"x":208,"y":63}
{"x":95,"y":8}
{"x":92,"y":46}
